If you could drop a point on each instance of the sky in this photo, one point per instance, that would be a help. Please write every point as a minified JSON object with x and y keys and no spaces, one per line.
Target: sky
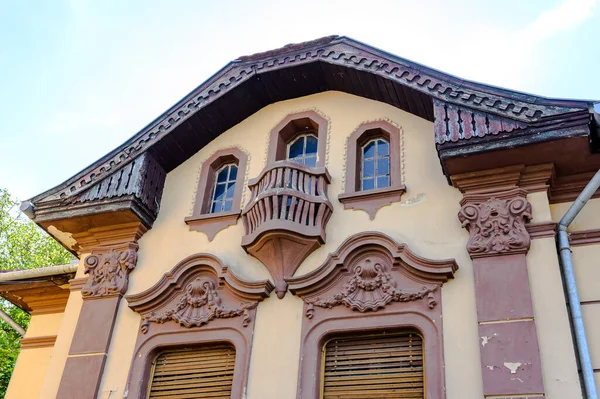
{"x":79,"y":77}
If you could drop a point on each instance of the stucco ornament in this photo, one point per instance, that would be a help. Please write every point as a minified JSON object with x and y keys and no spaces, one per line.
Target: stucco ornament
{"x":496,"y":226}
{"x":198,"y":305}
{"x":108,"y":272}
{"x":370,"y":288}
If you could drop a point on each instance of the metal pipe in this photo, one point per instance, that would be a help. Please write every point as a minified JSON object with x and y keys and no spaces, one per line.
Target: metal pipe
{"x":39,"y":272}
{"x":564,"y":249}
{"x":16,"y":326}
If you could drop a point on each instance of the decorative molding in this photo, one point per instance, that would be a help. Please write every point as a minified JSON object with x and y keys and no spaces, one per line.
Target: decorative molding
{"x":380,"y":283}
{"x":454,"y":123}
{"x":113,"y":255}
{"x":541,"y":229}
{"x":496,"y":223}
{"x":77,"y":284}
{"x":198,"y":304}
{"x":109,"y":272}
{"x":568,"y":188}
{"x":191,"y":295}
{"x":213,"y":156}
{"x":380,"y":249}
{"x":584,"y":237}
{"x":369,"y":289}
{"x":46,"y":341}
{"x":337,"y":51}
{"x":530,"y":178}
{"x":202,"y":219}
{"x":211,"y":223}
{"x":371,"y":201}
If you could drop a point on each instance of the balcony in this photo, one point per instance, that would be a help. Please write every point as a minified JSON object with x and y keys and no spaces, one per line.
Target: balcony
{"x":286,"y":216}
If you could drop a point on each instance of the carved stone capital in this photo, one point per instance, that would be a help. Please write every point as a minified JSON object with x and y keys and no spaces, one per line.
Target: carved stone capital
{"x":113,"y":255}
{"x":108,"y":272}
{"x":496,"y":222}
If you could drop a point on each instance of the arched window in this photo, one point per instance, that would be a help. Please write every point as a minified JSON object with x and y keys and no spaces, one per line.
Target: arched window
{"x":224,"y":189}
{"x":373,"y":175}
{"x":375,"y":164}
{"x":303,"y":149}
{"x":219,"y":192}
{"x":300,"y":137}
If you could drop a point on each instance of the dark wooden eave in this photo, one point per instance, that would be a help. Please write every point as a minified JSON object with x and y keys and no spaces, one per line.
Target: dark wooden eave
{"x":512,"y":121}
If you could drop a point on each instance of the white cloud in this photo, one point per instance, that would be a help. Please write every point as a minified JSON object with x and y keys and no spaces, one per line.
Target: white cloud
{"x":564,"y":17}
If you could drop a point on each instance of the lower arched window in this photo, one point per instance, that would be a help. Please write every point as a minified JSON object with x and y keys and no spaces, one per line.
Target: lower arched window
{"x":201,"y":372}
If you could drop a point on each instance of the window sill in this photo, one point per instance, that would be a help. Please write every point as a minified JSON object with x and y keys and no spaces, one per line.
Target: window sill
{"x":371,"y":201}
{"x":211,"y":223}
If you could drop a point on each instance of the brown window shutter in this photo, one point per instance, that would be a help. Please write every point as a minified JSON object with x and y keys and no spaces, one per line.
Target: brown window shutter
{"x":202,"y":372}
{"x":382,"y":365}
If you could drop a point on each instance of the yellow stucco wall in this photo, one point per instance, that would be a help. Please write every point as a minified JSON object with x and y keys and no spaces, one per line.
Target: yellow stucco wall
{"x":425,"y":219}
{"x":32,"y":364}
{"x":587,"y":274}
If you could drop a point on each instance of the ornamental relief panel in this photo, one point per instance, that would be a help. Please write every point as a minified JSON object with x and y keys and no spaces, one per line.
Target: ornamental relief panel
{"x":369,"y":288}
{"x":496,"y":223}
{"x":370,"y":272}
{"x":108,"y":272}
{"x":196,"y":293}
{"x":197,"y":305}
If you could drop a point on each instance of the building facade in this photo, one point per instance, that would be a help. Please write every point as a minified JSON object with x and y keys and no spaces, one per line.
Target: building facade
{"x":326,"y":220}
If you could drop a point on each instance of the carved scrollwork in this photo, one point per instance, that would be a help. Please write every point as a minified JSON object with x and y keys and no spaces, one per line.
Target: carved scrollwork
{"x":199,"y":304}
{"x":496,"y":226}
{"x":369,"y":289}
{"x":108,"y":272}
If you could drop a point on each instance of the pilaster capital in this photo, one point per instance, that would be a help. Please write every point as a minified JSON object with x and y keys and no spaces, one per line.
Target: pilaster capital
{"x":113,"y":255}
{"x":496,"y":222}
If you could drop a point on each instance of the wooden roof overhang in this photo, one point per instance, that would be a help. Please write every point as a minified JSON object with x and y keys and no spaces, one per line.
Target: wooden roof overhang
{"x":475,"y":125}
{"x":38,"y":295}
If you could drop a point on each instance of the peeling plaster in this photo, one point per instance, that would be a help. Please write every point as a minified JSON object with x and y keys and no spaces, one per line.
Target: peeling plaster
{"x":413,"y":200}
{"x":512,"y":366}
{"x":490,"y":367}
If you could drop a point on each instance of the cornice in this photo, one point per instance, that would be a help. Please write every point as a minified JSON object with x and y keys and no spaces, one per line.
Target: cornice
{"x":584,"y":237}
{"x":340,"y":51}
{"x":541,"y":229}
{"x":46,"y":341}
{"x":530,"y":178}
{"x":568,"y":188}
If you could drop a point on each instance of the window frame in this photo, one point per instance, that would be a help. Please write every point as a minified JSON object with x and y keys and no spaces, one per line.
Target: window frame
{"x":160,"y":336}
{"x":304,"y":154}
{"x":292,"y":126}
{"x":371,"y":200}
{"x":323,"y":322}
{"x":202,"y":219}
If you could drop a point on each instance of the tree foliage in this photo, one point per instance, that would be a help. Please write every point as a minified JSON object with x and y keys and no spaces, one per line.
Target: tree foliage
{"x":23,"y":245}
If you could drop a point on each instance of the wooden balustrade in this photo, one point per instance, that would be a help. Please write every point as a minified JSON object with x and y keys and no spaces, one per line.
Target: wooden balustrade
{"x":288,"y":207}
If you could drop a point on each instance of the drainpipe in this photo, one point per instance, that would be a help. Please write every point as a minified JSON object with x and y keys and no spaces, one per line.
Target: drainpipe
{"x":571,"y":287}
{"x":16,"y":326}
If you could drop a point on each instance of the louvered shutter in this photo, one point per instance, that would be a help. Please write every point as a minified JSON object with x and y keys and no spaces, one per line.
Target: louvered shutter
{"x":202,"y":372}
{"x":383,"y":365}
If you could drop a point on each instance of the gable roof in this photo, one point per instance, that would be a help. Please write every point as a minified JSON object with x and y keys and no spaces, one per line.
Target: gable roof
{"x":249,"y":83}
